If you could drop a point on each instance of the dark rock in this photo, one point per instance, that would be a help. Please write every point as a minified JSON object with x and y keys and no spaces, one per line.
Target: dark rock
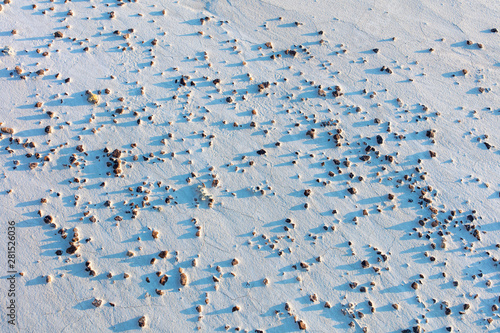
{"x":72,"y":249}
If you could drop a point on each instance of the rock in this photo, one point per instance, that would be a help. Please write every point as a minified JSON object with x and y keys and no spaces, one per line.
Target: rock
{"x":380,"y":139}
{"x":72,"y":249}
{"x":263,"y":86}
{"x":365,"y":264}
{"x":97,"y":302}
{"x":7,"y":50}
{"x":302,"y":325}
{"x":142,"y":321}
{"x":58,"y":34}
{"x":261,"y":152}
{"x":163,"y":254}
{"x":7,"y":130}
{"x":183,"y":279}
{"x":163,"y":279}
{"x":430,"y":133}
{"x":116,"y":153}
{"x":414,"y":285}
{"x":93,"y":98}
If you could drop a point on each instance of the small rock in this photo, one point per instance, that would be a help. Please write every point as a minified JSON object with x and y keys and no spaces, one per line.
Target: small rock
{"x":183,"y":279}
{"x":72,"y":249}
{"x":142,"y":321}
{"x":7,"y":130}
{"x":97,"y":302}
{"x":163,"y":279}
{"x":261,"y":152}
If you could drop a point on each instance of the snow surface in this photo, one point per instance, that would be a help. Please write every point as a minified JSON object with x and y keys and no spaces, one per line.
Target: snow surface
{"x":426,"y":91}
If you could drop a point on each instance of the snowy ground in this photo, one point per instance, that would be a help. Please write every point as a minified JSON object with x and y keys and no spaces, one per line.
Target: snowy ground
{"x":352,"y":198}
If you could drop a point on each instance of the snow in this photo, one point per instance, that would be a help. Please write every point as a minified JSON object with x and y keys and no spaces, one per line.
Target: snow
{"x":199,"y":137}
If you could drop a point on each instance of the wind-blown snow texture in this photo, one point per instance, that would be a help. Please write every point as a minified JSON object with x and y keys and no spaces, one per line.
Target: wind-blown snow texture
{"x":190,"y":94}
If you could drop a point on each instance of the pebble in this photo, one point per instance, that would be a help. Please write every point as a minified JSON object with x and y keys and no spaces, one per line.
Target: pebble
{"x":142,"y":321}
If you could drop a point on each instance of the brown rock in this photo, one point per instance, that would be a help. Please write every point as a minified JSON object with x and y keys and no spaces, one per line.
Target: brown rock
{"x":97,"y":302}
{"x":7,"y":130}
{"x":72,"y":249}
{"x":142,"y":321}
{"x":116,"y":153}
